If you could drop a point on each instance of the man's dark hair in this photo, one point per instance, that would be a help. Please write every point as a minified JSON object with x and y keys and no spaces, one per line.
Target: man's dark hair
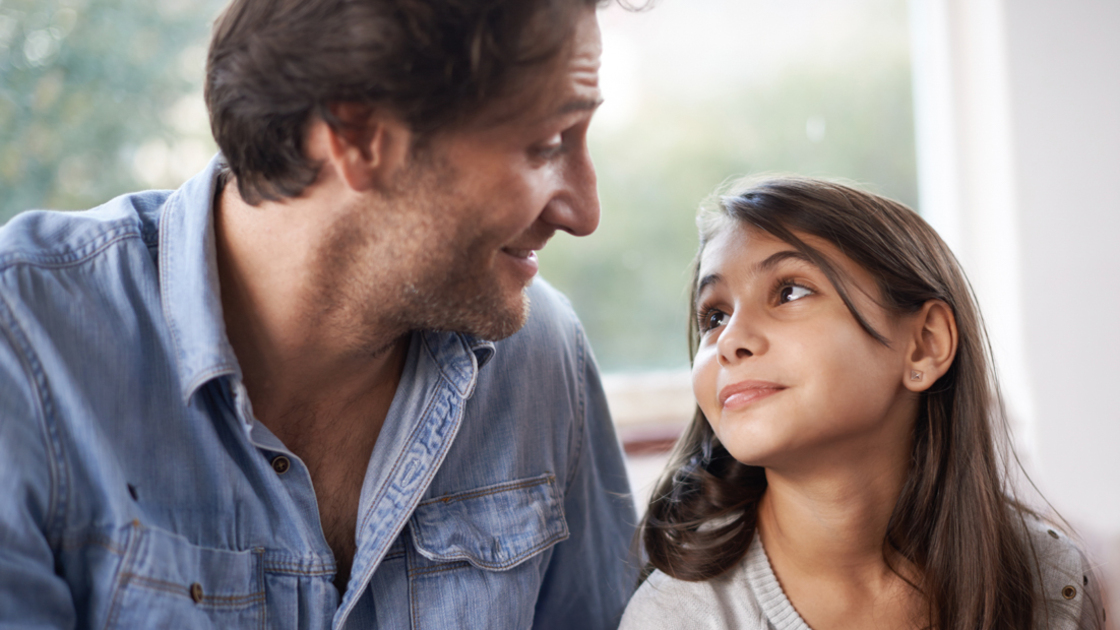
{"x":274,"y":64}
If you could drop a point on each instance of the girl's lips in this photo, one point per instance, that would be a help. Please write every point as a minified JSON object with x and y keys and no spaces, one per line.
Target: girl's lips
{"x":743,"y":393}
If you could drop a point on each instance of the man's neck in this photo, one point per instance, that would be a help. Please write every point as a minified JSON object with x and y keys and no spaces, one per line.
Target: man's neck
{"x":294,"y":352}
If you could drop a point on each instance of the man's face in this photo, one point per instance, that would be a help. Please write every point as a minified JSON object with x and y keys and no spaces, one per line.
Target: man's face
{"x":479,"y":202}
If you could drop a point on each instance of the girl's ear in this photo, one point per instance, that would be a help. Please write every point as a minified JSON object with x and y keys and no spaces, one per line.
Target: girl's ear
{"x":933,"y":345}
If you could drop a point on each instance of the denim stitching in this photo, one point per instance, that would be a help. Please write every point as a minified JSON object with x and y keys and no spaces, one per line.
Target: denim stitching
{"x":400,"y":456}
{"x":259,"y":551}
{"x":165,"y":252}
{"x":176,"y":588}
{"x":58,"y":502}
{"x":270,"y":568}
{"x":453,"y":418}
{"x":123,"y":572}
{"x":474,"y":494}
{"x":74,"y":257}
{"x":557,"y":537}
{"x":442,"y":568}
{"x":281,"y":564}
{"x":408,"y":559}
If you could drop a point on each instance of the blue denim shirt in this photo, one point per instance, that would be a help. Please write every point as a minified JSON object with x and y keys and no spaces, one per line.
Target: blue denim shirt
{"x":138,"y":491}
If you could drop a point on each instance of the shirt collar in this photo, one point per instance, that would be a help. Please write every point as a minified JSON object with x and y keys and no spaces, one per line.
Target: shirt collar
{"x":192,"y":303}
{"x":459,"y":357}
{"x":189,"y":290}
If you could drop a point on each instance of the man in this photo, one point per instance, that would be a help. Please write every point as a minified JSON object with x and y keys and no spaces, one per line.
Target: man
{"x":315,"y":386}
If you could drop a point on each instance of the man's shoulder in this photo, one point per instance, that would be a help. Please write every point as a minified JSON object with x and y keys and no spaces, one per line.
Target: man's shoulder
{"x":70,"y":280}
{"x":55,"y":239}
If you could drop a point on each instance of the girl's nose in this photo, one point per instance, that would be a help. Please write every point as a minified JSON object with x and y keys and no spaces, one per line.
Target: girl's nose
{"x":740,"y":340}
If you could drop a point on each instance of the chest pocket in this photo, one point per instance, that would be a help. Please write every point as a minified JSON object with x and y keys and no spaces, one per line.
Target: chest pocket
{"x":166,"y":582}
{"x":477,"y":555}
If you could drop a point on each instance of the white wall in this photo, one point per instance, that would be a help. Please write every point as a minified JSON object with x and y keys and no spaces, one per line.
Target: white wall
{"x":1018,"y":117}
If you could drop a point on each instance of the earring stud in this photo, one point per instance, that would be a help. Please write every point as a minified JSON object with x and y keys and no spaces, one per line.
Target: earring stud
{"x":915,"y":375}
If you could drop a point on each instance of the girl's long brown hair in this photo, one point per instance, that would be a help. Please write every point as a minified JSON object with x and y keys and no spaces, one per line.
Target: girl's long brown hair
{"x":956,"y":518}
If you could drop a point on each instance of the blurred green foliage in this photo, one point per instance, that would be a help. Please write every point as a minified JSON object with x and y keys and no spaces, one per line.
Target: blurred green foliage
{"x":83,"y":83}
{"x":628,"y":281}
{"x":89,"y":87}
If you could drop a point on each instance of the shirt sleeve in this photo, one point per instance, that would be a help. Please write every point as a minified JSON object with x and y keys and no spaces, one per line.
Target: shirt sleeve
{"x":32,"y":595}
{"x":592,"y":574}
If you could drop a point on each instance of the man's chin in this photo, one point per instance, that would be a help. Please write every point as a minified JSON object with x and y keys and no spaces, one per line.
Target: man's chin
{"x":484,"y":316}
{"x":501,"y":321}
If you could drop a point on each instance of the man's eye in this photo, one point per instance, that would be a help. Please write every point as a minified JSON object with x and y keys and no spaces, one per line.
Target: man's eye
{"x":553,"y":147}
{"x":792,"y":292}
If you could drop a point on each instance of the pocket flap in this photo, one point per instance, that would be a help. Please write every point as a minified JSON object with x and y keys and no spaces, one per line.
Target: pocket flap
{"x":495,"y":527}
{"x":168,"y":562}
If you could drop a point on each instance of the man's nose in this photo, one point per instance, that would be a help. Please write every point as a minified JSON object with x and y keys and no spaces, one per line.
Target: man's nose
{"x":576,"y":208}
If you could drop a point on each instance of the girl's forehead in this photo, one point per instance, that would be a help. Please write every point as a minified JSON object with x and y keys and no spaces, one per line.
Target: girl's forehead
{"x":740,"y":243}
{"x":739,"y":248}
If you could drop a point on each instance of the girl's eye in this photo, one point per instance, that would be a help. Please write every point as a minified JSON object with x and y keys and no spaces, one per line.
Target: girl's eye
{"x":791,"y":292}
{"x":712,"y":319}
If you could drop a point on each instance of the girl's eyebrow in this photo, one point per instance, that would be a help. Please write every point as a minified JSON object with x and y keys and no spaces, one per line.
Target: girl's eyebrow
{"x":771,"y":261}
{"x":786,"y":254}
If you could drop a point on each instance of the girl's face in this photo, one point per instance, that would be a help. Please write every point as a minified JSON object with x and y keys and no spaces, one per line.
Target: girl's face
{"x":784,"y":373}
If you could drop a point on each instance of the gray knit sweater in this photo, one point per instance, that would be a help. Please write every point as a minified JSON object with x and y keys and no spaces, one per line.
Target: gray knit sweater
{"x":748,"y":597}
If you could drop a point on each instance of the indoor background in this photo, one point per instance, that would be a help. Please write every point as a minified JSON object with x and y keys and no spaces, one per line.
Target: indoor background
{"x":998,"y":120}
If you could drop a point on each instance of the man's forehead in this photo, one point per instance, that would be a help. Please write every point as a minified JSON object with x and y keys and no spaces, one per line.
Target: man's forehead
{"x":565,"y":85}
{"x":571,"y":85}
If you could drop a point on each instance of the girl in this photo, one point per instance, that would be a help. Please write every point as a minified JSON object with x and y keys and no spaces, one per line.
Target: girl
{"x":846,"y":466}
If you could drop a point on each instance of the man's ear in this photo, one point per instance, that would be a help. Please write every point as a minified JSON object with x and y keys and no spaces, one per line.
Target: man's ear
{"x":932,"y":345}
{"x":365,"y":147}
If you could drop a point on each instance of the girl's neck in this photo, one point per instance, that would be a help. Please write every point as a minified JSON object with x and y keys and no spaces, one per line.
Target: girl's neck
{"x":827,"y":526}
{"x":824,"y":534}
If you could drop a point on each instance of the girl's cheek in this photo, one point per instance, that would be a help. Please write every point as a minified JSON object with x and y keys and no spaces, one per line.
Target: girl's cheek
{"x":704,"y":373}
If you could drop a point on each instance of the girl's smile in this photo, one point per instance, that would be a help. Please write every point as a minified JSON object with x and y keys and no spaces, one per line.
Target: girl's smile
{"x":743,"y":393}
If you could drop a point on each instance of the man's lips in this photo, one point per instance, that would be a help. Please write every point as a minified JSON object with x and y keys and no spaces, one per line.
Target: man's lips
{"x":743,"y":393}
{"x":524,"y":261}
{"x":517,"y":252}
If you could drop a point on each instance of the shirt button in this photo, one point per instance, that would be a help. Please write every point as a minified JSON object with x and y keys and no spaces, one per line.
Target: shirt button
{"x":281,"y":464}
{"x":196,"y":592}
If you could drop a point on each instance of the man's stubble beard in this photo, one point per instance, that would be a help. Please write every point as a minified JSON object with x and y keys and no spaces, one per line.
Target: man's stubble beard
{"x":459,"y":296}
{"x":428,"y":268}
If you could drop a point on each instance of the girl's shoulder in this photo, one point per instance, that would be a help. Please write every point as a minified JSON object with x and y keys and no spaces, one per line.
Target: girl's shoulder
{"x":665,"y":603}
{"x":748,"y":597}
{"x":1068,"y":585}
